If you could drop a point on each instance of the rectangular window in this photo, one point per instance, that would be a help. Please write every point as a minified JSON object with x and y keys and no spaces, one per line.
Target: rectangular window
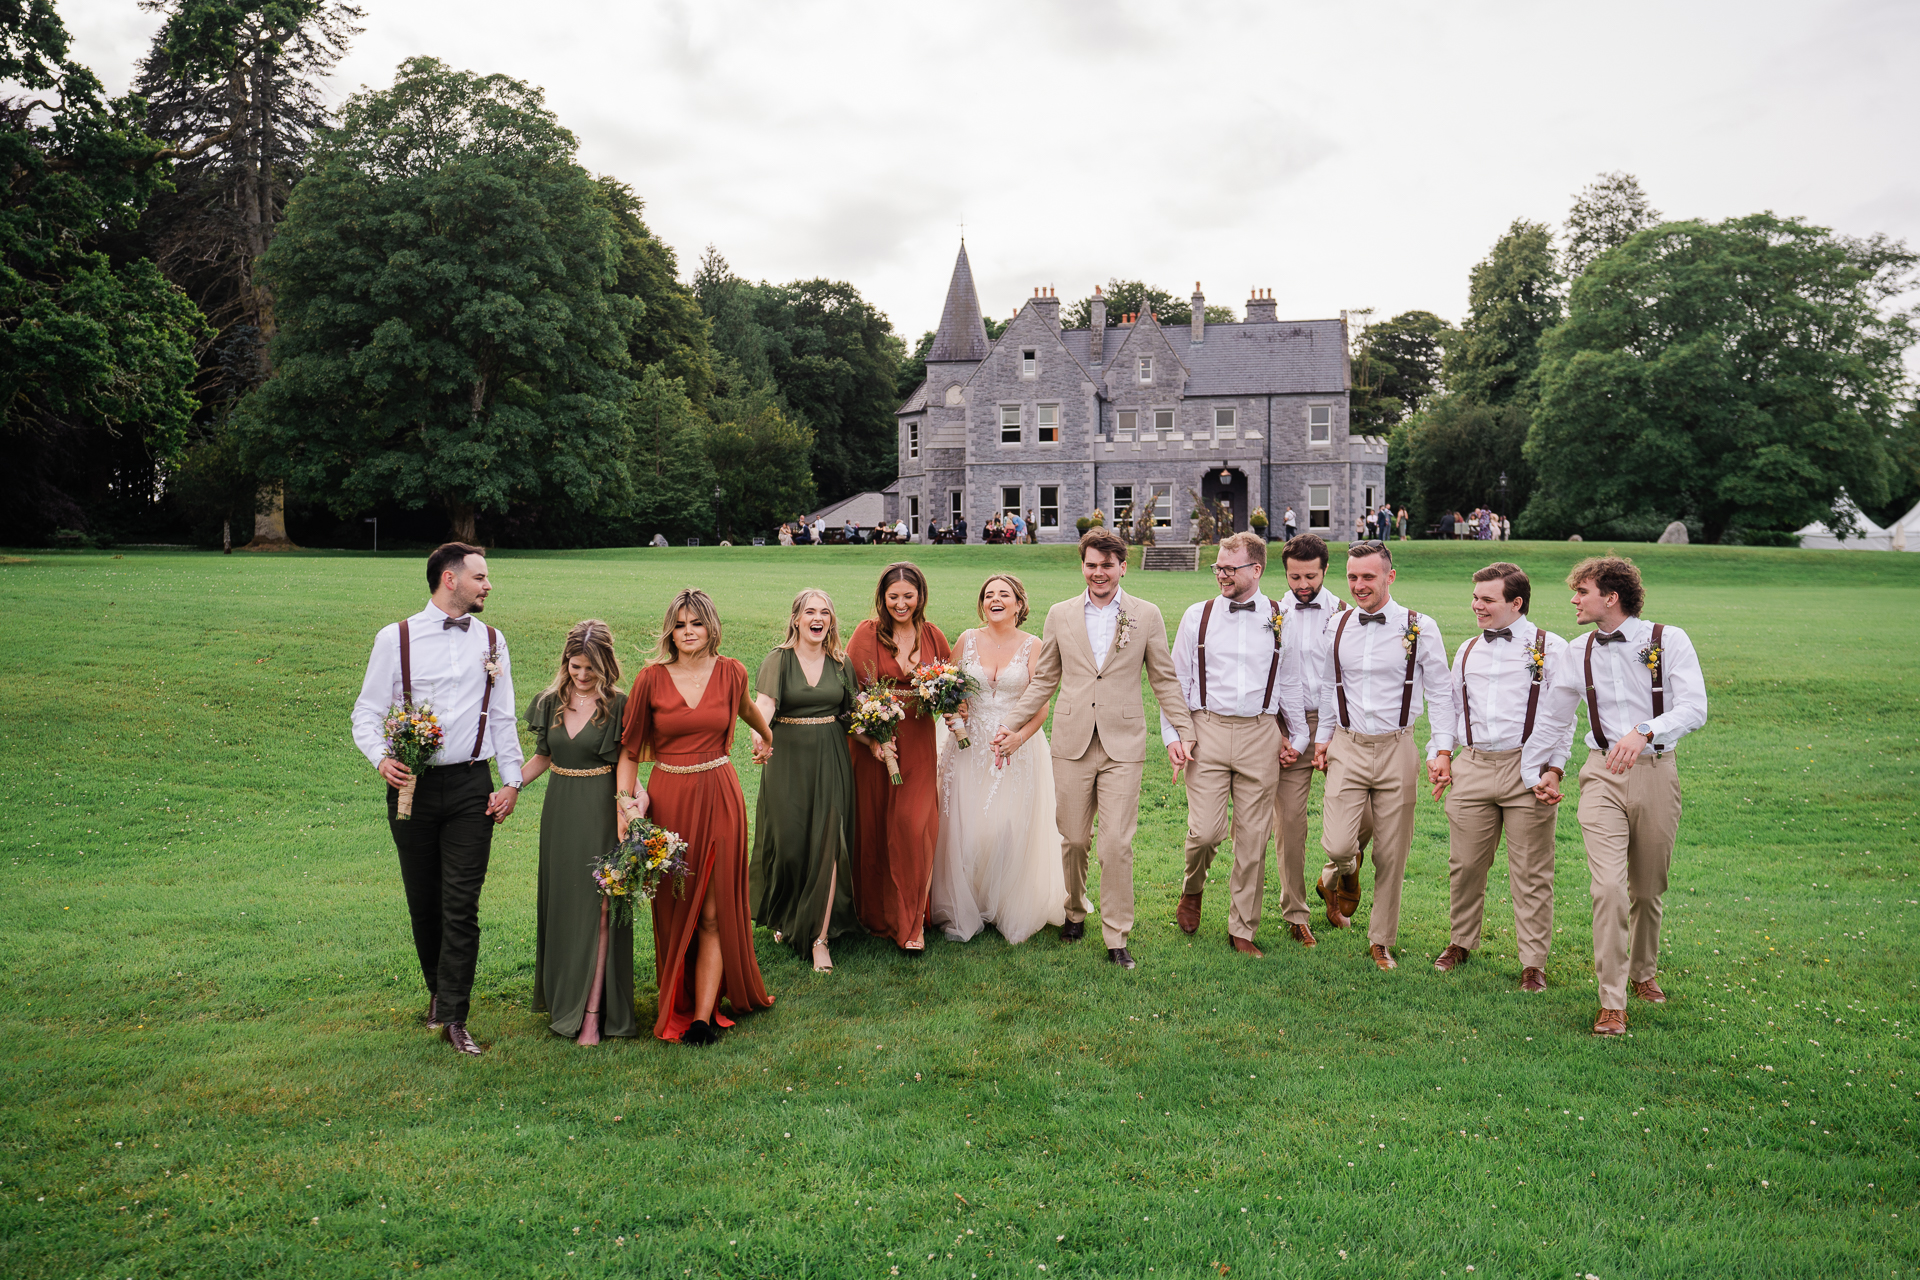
{"x":1049,"y":507}
{"x":913,"y":437}
{"x":1127,"y":419}
{"x":1371,"y":504}
{"x":913,"y":516}
{"x":1029,"y":363}
{"x":1146,"y":368}
{"x":1320,"y":424}
{"x":1122,"y":509}
{"x":1049,"y":423}
{"x":1163,"y":506}
{"x":1224,"y":424}
{"x":1009,"y":424}
{"x":1319,"y":506}
{"x":1009,"y":499}
{"x":1163,"y":421}
{"x":956,"y":507}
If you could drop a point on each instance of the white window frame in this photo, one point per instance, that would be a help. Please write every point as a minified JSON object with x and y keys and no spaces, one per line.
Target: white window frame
{"x":1320,"y":514}
{"x":913,"y":514}
{"x":1126,"y":422}
{"x":1006,"y":510}
{"x":1016,"y":425}
{"x":1144,"y":369}
{"x":1226,"y":424}
{"x":1030,"y":362}
{"x":1115,"y":504}
{"x":913,"y":437}
{"x":1325,"y":440}
{"x":956,"y":507}
{"x":1042,"y":427}
{"x":1049,"y":512}
{"x":1372,"y":500}
{"x":1162,"y":496}
{"x":1165,"y":423}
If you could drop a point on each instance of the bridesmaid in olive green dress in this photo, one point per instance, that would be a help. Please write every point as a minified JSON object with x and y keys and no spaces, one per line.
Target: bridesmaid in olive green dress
{"x":576,"y":732}
{"x":801,"y":880}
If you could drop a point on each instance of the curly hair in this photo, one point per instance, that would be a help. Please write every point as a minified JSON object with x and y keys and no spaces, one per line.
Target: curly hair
{"x":1612,"y":575}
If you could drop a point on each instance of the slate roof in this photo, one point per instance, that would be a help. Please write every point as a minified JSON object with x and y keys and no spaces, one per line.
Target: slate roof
{"x":915,"y":402}
{"x":1291,"y":357}
{"x":962,"y":334}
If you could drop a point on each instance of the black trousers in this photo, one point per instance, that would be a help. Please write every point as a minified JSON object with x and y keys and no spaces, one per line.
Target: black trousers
{"x":444,"y":848}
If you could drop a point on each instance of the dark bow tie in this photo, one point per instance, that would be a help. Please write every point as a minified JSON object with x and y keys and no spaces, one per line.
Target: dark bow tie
{"x":1310,"y":604}
{"x":1366,"y":618}
{"x":1504,"y":633}
{"x":462,"y":623}
{"x":1241,"y":607}
{"x":1610,"y":637}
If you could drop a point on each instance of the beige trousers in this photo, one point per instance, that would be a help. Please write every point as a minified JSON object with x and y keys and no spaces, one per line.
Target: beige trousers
{"x":1097,"y":786}
{"x":1486,"y":799}
{"x":1629,"y":821}
{"x":1292,"y":795}
{"x":1381,"y":771}
{"x":1237,"y":761}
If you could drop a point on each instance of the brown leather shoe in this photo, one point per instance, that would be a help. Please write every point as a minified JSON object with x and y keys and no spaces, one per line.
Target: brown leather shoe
{"x":455,"y":1034}
{"x":1650,"y":992}
{"x":1533,"y":978}
{"x":1187,"y":916}
{"x":1335,"y":918}
{"x":1246,"y":948}
{"x":1303,"y":935}
{"x":1453,"y":955}
{"x":1611,"y":1022}
{"x":1383,"y":957}
{"x":432,"y":1018}
{"x":1346,"y":891}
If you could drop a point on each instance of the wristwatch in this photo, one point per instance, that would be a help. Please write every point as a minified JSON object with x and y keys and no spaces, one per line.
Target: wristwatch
{"x":515,"y":785}
{"x":1645,"y":730}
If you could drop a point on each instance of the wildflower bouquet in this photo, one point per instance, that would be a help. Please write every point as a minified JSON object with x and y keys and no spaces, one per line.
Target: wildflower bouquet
{"x":413,"y":737}
{"x":943,"y":688}
{"x":878,"y":710}
{"x":637,"y":866}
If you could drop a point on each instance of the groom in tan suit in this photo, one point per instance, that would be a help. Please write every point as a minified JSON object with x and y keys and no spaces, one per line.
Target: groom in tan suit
{"x":1091,"y":650}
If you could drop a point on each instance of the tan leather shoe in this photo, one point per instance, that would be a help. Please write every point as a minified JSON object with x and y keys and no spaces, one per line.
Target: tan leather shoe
{"x":1611,"y":1022}
{"x":1347,"y":891}
{"x":1187,"y":915}
{"x":1336,"y":919}
{"x":1453,"y":955}
{"x":1383,"y":957}
{"x":1533,"y":978}
{"x":1650,"y":992}
{"x":1303,"y":935}
{"x":1246,"y":948}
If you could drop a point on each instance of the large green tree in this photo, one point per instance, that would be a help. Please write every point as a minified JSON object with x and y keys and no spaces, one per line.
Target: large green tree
{"x":96,"y":348}
{"x":1605,"y":215}
{"x":1513,"y":298}
{"x":448,"y":330}
{"x":1396,"y":365}
{"x":1452,"y":455}
{"x":1742,"y":376}
{"x":668,"y":329}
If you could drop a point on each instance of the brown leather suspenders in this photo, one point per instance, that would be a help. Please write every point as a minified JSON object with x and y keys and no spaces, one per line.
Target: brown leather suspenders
{"x":1659,"y":683}
{"x":1206,"y":616}
{"x":1339,"y":681}
{"x":1413,"y":654}
{"x":1466,"y":707}
{"x":1539,"y":647}
{"x":1273,"y":668}
{"x":1593,"y":698}
{"x":486,"y":698}
{"x":1659,"y":686}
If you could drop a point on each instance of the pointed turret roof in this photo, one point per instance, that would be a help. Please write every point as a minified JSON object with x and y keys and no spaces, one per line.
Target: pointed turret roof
{"x":962,"y":334}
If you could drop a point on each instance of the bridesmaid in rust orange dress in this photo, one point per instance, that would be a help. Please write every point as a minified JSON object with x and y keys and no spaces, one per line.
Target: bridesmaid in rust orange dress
{"x":897,"y":826}
{"x":680,"y":715}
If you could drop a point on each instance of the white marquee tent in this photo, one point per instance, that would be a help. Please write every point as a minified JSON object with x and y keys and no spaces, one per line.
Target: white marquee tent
{"x":1902,"y":535}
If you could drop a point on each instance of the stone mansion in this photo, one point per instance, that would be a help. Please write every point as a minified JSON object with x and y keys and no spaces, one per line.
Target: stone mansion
{"x":1062,"y":422}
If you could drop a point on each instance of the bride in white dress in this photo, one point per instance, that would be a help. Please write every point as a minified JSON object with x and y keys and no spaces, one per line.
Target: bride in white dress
{"x":997,"y":860}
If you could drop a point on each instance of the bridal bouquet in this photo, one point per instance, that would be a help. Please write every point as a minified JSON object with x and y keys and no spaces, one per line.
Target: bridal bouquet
{"x":413,"y":736}
{"x":637,"y":866}
{"x":878,"y":710}
{"x":944,"y":688}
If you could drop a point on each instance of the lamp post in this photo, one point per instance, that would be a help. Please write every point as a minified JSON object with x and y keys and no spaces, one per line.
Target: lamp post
{"x":375,"y":522}
{"x":1503,"y":493}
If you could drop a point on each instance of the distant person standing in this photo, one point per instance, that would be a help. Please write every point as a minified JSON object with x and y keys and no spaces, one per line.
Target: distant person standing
{"x":441,"y":658}
{"x":1019,"y":528}
{"x":820,"y":531}
{"x":1506,"y":529}
{"x":1459,"y":526}
{"x":1360,"y":528}
{"x":960,"y":529}
{"x":1286,"y":522}
{"x":1403,"y":524}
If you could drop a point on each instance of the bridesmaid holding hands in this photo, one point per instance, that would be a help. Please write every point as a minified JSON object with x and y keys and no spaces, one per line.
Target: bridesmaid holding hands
{"x":680,"y":715}
{"x":896,"y":826}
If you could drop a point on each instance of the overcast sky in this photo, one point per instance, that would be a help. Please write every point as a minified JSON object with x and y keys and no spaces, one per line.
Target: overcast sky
{"x":1344,"y":156}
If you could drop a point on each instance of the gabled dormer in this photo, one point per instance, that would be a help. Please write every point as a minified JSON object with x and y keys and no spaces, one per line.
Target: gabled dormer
{"x":1030,"y":393}
{"x":1144,"y":380}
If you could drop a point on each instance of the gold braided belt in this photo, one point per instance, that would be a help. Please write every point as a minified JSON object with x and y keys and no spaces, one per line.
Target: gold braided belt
{"x":602,"y":771}
{"x":805,"y":719}
{"x":694,"y":768}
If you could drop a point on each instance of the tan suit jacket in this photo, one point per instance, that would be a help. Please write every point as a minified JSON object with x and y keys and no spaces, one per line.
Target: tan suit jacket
{"x":1106,"y":697}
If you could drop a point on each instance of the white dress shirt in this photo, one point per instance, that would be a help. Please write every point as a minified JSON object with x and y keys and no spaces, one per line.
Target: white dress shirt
{"x":1375,"y":665}
{"x":449,"y":673}
{"x":1102,"y":622}
{"x":1499,"y":680}
{"x":1239,"y":655}
{"x":1310,"y":626}
{"x":1623,"y":686}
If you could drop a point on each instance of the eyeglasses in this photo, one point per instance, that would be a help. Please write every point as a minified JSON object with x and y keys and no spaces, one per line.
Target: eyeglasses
{"x":1228,"y":570}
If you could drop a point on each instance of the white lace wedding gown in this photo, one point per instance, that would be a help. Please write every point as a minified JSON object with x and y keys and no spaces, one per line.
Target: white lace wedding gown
{"x":997,"y":860}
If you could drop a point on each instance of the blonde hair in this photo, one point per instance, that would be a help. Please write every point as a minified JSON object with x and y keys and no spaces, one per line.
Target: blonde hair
{"x":1019,"y":594}
{"x":592,"y":640}
{"x":700,"y":605}
{"x":1250,"y":545}
{"x":833,"y":648}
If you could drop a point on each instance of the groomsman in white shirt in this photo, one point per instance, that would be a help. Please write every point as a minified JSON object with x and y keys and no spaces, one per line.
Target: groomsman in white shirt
{"x":1310,"y":609}
{"x":1644,"y":692}
{"x":1383,"y":659}
{"x":1243,"y":684}
{"x":446,"y":657}
{"x":1504,"y":738}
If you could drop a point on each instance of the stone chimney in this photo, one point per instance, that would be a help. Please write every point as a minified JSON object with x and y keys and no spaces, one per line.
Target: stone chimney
{"x":1199,"y":313}
{"x":1260,"y":308}
{"x":1048,"y":305}
{"x":1097,"y":335}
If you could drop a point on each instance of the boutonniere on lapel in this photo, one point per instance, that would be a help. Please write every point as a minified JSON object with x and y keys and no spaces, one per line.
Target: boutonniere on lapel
{"x":1411,"y":636}
{"x":1536,"y":661}
{"x":1122,"y":628}
{"x":492,"y":663}
{"x":1277,"y":623}
{"x":1650,"y":657}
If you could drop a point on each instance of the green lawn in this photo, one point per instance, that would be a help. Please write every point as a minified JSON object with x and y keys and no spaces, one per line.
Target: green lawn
{"x":211,"y":1065}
